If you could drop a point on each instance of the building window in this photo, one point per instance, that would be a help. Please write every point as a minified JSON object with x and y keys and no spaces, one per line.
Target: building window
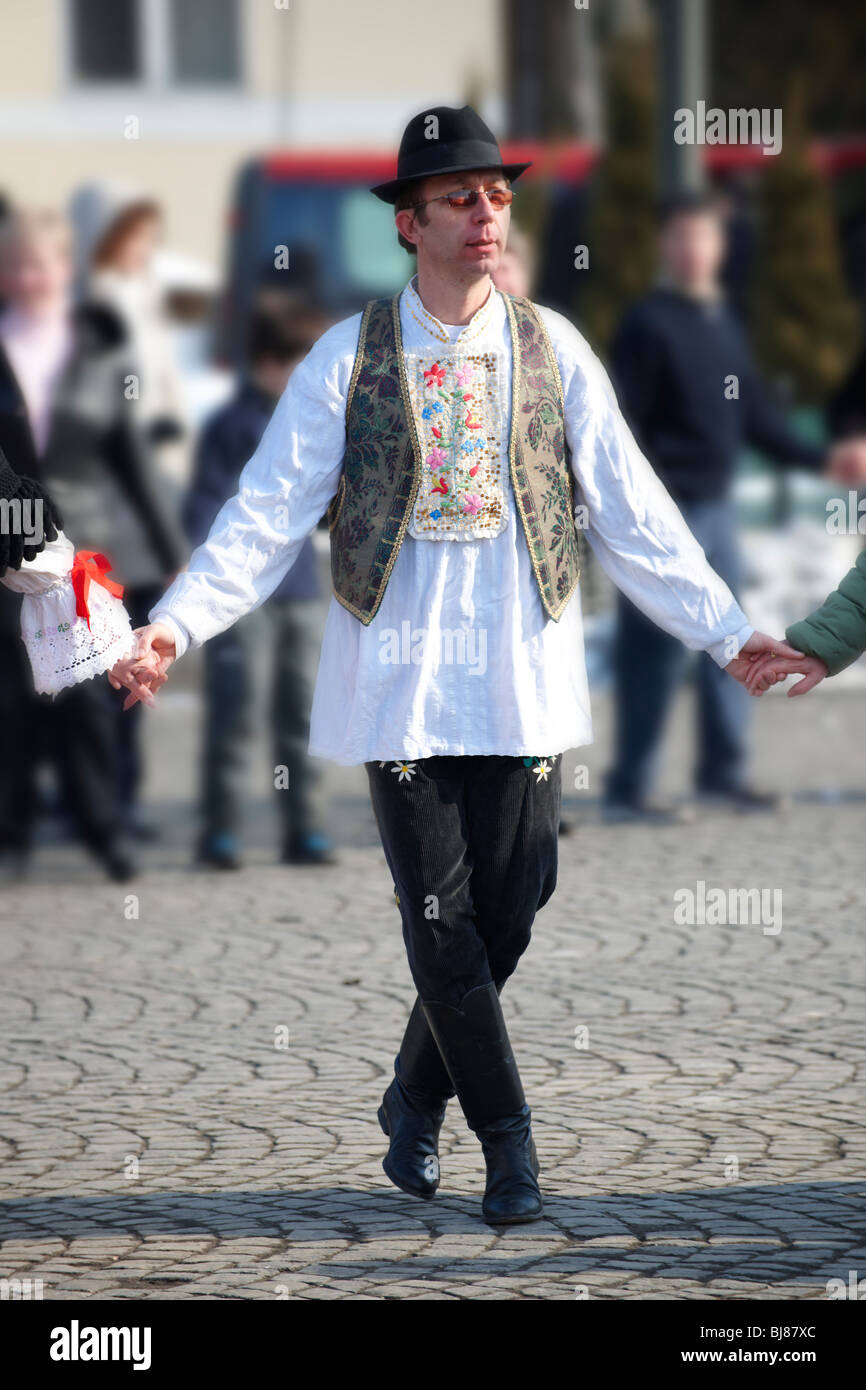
{"x":105,"y":40}
{"x":204,"y":40}
{"x":157,"y":43}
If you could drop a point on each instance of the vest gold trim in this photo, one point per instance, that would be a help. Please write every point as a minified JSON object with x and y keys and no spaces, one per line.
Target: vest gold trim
{"x":382,"y":468}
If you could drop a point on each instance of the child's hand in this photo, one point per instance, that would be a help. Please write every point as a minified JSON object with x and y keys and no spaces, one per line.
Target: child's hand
{"x":140,"y":674}
{"x":768,"y":670}
{"x":146,"y":670}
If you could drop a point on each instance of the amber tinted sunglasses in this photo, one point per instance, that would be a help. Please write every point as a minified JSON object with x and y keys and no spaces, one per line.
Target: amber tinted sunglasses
{"x":467,"y":198}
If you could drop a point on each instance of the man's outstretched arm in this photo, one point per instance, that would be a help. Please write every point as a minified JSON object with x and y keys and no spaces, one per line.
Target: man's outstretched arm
{"x":256,"y":536}
{"x":635,"y":528}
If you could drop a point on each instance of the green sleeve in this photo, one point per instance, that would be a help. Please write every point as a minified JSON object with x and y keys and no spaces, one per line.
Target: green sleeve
{"x":836,"y":632}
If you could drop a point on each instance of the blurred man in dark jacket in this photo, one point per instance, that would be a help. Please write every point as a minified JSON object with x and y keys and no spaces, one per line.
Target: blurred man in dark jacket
{"x":689,"y":388}
{"x":284,"y":634}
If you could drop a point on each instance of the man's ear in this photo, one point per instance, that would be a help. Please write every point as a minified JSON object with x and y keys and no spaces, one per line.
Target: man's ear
{"x":406,"y":225}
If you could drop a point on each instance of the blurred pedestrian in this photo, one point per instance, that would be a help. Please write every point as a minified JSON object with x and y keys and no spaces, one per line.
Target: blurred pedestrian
{"x":117,"y":233}
{"x":515,"y":273}
{"x":282,"y":635}
{"x":689,"y":388}
{"x":65,"y":421}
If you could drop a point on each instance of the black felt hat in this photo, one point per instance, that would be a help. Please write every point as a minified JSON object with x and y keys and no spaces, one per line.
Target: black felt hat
{"x":445,"y":140}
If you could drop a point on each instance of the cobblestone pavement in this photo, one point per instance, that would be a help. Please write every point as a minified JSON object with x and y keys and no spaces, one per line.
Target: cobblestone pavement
{"x":189,"y":1096}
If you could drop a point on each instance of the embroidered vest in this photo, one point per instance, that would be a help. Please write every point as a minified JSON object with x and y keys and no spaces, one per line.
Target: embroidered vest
{"x":369,"y":514}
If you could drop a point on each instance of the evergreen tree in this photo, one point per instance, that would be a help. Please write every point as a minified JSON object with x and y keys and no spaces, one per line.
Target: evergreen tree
{"x":805,"y":326}
{"x":620,"y":231}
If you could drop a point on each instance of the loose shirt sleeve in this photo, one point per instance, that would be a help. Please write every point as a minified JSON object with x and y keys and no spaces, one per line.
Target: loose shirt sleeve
{"x":632,"y":523}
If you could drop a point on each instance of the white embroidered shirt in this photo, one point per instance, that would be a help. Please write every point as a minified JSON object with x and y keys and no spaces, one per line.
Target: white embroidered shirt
{"x":460,"y":657}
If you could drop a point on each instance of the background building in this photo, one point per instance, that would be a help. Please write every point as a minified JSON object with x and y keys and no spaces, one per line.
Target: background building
{"x":174,"y":94}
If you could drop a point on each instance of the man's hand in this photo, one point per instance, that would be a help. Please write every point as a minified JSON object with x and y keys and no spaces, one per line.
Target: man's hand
{"x":758,"y":645}
{"x":768,"y":670}
{"x":146,"y":670}
{"x":846,"y":461}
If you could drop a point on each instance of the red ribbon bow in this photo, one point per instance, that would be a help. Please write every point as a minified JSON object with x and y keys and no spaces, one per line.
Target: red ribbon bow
{"x":91,"y":567}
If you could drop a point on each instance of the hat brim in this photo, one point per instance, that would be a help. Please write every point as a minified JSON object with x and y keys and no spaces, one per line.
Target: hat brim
{"x":389,"y":192}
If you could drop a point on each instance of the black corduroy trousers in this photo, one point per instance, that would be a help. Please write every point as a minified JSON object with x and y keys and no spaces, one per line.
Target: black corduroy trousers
{"x":472,"y":845}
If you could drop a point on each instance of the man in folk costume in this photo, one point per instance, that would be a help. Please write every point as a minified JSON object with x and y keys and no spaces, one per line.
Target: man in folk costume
{"x":459,"y":439}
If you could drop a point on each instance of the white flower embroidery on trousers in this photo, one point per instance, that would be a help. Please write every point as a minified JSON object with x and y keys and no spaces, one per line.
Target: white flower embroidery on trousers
{"x":542,"y":767}
{"x":406,"y":770}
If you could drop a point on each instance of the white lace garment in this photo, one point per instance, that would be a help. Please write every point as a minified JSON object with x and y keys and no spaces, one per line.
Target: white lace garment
{"x":61,"y":647}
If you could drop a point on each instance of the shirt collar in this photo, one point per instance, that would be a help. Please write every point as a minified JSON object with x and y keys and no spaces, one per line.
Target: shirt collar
{"x":434,"y":329}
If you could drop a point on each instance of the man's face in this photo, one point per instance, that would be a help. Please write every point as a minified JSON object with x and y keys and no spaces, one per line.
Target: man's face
{"x":693,"y":247}
{"x":469,"y":242}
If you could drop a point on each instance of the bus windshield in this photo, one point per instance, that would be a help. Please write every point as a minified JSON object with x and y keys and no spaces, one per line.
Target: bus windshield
{"x":343,"y":233}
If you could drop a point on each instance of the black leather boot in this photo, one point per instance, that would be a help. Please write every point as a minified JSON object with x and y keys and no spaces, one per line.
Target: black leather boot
{"x":512,"y":1195}
{"x":476,"y":1049}
{"x":413,"y":1108}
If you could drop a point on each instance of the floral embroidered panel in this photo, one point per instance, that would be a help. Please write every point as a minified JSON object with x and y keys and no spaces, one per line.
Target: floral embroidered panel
{"x":458,"y":413}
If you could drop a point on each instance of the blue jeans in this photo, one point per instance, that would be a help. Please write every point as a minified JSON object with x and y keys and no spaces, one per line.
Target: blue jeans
{"x":261,"y":671}
{"x":648,"y":666}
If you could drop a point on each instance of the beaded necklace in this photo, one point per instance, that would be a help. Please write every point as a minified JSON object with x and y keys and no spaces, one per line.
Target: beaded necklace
{"x":472,"y":330}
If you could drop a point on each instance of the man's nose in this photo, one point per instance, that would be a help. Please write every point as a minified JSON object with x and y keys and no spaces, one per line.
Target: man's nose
{"x":484,"y":209}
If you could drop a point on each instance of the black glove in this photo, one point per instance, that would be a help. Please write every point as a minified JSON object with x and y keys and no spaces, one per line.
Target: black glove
{"x":14,"y":545}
